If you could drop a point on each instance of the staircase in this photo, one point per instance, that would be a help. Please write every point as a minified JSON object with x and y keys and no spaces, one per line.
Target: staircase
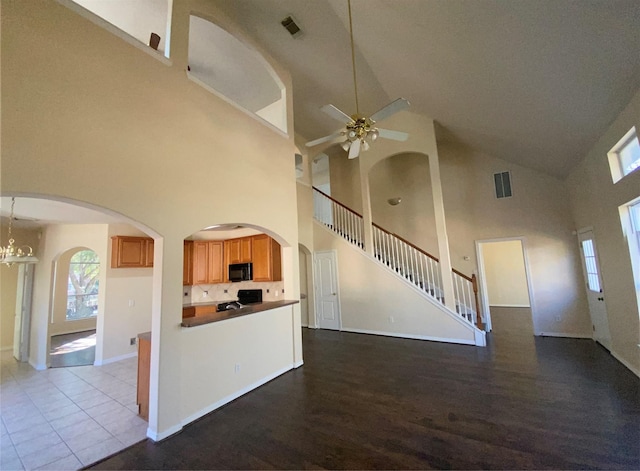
{"x":416,"y":266}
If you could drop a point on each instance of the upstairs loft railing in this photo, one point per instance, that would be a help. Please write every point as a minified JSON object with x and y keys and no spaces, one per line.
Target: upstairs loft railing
{"x":411,"y":262}
{"x":339,"y":218}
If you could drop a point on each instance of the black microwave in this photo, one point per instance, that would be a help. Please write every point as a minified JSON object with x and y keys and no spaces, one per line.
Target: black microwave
{"x":241,"y":272}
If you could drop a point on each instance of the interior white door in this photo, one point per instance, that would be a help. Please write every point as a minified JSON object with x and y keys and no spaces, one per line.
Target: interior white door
{"x":595,"y":290}
{"x":22,"y":319}
{"x":327,"y":299}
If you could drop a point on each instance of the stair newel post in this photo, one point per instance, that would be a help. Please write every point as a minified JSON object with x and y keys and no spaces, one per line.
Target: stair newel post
{"x":474,"y":283}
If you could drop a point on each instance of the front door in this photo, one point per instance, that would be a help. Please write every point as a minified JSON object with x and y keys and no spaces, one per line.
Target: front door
{"x":595,"y":290}
{"x":327,"y":301}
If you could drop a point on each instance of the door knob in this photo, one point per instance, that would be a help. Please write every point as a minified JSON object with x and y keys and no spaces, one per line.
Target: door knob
{"x":600,"y":299}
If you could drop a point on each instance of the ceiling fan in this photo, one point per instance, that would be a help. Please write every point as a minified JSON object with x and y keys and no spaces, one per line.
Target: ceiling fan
{"x":361,"y":130}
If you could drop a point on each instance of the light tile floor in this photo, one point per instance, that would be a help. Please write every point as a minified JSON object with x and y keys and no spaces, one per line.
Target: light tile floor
{"x":66,"y":418}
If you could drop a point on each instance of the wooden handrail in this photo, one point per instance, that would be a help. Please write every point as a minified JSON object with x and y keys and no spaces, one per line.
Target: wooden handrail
{"x":468,"y":278}
{"x":474,"y":283}
{"x":405,"y":241}
{"x":336,"y":201}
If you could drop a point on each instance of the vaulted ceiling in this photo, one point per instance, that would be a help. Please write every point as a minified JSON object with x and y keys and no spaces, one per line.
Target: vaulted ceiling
{"x":533,"y":82}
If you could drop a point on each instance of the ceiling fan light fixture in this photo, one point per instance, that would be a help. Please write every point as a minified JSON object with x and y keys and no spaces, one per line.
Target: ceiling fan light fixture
{"x":345,"y":145}
{"x":365,"y":144}
{"x":373,"y":134}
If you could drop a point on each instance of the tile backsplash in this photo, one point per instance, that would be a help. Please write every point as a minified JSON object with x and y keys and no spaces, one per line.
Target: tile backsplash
{"x":215,"y":293}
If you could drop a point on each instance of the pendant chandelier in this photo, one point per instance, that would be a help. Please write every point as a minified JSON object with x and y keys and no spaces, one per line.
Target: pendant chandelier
{"x":15,"y":254}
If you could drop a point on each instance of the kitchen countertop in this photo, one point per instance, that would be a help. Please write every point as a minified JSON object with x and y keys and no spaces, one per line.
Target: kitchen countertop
{"x":230,"y":314}
{"x":209,"y":303}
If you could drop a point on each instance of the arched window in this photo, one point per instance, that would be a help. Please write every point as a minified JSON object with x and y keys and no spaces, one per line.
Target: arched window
{"x":83,"y":285}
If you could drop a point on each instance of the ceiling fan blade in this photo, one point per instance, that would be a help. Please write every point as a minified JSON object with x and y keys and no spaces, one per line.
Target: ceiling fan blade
{"x":395,"y":135}
{"x":392,"y":108}
{"x":354,"y":150}
{"x":335,"y":113}
{"x":325,"y":139}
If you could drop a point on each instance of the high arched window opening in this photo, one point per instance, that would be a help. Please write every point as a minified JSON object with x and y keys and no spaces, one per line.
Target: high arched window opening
{"x":83,"y":285}
{"x":226,"y":66}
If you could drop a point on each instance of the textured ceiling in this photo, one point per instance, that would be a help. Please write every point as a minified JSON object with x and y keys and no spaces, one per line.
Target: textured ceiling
{"x":533,"y":82}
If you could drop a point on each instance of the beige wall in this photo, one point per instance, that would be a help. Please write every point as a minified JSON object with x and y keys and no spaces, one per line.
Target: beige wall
{"x":406,"y":176}
{"x":9,"y":280}
{"x":89,"y":118}
{"x":375,"y":300}
{"x":505,"y":274}
{"x":595,"y":200}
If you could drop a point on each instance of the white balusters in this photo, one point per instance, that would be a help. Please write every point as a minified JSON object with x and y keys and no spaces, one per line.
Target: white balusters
{"x":338,"y":218}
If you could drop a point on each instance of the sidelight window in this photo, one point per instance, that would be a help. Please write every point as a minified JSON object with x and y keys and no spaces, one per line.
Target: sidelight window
{"x":624,"y":157}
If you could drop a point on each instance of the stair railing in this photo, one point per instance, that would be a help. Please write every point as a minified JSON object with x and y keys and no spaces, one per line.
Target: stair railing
{"x":411,"y":262}
{"x":340,"y":219}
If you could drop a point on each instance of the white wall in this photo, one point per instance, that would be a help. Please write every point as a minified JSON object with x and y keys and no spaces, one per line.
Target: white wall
{"x":595,"y":200}
{"x":505,"y":274}
{"x":135,"y":136}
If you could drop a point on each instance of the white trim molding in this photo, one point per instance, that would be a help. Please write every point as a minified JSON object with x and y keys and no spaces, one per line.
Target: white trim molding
{"x":634,"y":370}
{"x":115,"y":359}
{"x":568,"y":335}
{"x":410,"y":336}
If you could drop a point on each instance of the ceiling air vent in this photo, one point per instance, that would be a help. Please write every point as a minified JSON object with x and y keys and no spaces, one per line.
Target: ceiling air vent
{"x":291,"y":26}
{"x":503,"y":184}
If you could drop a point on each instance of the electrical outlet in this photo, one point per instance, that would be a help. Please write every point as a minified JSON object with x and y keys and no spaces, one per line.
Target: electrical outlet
{"x":391,"y":319}
{"x":132,"y":303}
{"x":132,"y":341}
{"x":267,"y":290}
{"x":226,"y":290}
{"x":237,"y":368}
{"x":186,"y":294}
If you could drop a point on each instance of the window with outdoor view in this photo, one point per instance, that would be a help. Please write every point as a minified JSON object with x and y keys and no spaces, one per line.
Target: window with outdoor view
{"x":83,"y":285}
{"x":624,"y":157}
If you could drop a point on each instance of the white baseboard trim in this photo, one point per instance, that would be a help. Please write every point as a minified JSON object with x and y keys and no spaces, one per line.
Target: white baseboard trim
{"x":298,"y":364}
{"x":625,"y":363}
{"x":6,"y":349}
{"x":568,"y":335}
{"x":301,"y":325}
{"x":115,"y":359}
{"x":235,"y":395}
{"x":409,"y":336}
{"x":156,"y":437}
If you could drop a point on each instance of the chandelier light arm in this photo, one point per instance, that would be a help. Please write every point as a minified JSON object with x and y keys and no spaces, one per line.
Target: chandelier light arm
{"x":15,"y":254}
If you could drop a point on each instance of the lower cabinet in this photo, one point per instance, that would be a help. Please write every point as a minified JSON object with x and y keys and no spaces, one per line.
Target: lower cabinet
{"x":195,"y":311}
{"x":144,"y":372}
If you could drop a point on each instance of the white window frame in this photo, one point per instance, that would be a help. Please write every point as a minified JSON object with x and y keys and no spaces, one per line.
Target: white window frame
{"x":615,"y":162}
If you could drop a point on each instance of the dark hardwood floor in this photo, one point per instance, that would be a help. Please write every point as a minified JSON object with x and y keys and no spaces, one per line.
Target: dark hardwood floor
{"x":369,"y":402}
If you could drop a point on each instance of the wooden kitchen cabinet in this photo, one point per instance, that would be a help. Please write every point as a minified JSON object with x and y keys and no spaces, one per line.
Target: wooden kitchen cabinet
{"x":208,"y":259}
{"x":131,"y":252}
{"x":239,"y":250}
{"x":187,"y":263}
{"x":144,"y":371}
{"x":195,"y":311}
{"x":267,"y":262}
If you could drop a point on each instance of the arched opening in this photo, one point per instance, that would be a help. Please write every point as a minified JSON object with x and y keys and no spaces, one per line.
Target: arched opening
{"x":75,"y":303}
{"x":228,"y":67}
{"x":307,"y":307}
{"x":402,"y":199}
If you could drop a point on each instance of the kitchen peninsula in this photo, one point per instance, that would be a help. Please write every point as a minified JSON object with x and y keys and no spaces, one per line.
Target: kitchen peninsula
{"x":233,"y":313}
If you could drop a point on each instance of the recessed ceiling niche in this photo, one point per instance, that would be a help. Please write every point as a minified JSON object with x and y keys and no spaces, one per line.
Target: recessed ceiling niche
{"x":226,"y":66}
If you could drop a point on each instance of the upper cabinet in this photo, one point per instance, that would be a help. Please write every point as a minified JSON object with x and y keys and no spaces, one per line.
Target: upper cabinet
{"x":187,"y":267}
{"x":208,"y":262}
{"x":267,"y":263}
{"x":131,"y":252}
{"x":239,"y":250}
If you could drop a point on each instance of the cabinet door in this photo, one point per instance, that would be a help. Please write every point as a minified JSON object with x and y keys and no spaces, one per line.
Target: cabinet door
{"x":261,"y":258}
{"x":200,"y":262}
{"x":235,"y":251}
{"x":187,"y":263}
{"x":246,"y":253}
{"x":216,"y":262}
{"x":128,"y":252}
{"x":149,"y":253}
